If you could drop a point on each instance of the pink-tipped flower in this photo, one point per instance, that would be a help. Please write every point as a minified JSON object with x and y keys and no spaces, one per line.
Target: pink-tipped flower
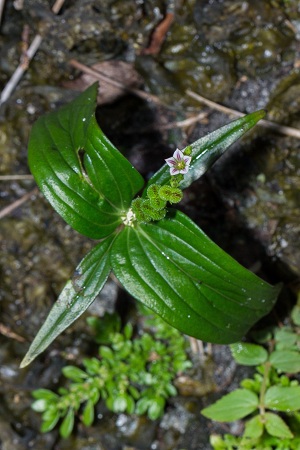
{"x":179,"y":163}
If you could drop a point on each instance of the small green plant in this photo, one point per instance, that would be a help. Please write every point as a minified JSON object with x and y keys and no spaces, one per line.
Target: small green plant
{"x":271,"y":398}
{"x":132,"y":375}
{"x":160,"y":256}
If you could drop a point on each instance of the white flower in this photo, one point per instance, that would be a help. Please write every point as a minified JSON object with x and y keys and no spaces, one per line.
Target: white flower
{"x":179,"y":163}
{"x":129,"y":219}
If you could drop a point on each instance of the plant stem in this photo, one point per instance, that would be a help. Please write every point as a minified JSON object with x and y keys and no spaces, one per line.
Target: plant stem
{"x":263,"y":389}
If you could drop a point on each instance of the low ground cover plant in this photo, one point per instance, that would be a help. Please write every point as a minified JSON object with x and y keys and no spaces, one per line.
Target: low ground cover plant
{"x":270,"y":401}
{"x":131,"y":374}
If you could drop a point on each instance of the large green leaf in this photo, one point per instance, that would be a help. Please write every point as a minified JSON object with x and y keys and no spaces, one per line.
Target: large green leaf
{"x":177,"y":271}
{"x":208,"y":149}
{"x":233,"y":406}
{"x":76,"y":297}
{"x":84,"y":177}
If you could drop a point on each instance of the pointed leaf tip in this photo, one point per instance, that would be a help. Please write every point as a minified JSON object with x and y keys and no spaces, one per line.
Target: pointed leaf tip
{"x":208,"y":149}
{"x":75,"y":298}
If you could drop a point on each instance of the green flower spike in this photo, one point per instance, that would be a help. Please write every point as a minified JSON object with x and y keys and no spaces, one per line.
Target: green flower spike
{"x":171,"y":194}
{"x":155,"y":200}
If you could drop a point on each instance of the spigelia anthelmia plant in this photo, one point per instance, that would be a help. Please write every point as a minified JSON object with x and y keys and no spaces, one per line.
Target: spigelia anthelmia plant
{"x":160,"y":256}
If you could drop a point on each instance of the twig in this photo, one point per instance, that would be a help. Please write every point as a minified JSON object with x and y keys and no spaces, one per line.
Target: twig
{"x":5,"y":331}
{"x":97,"y":74}
{"x":23,"y":66}
{"x":25,"y":46}
{"x":171,"y":125}
{"x":15,"y":177}
{"x":57,"y":6}
{"x":5,"y":211}
{"x":159,"y":34}
{"x":14,"y":80}
{"x":183,"y":123}
{"x":101,"y":76}
{"x":197,"y":347}
{"x":282,"y":129}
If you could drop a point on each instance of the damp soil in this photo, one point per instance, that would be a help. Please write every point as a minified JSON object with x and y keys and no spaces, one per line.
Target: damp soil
{"x":243,"y":54}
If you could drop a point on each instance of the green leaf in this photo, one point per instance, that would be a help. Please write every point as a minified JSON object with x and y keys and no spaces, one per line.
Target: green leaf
{"x":48,"y":425}
{"x":67,"y":424}
{"x":286,"y":360}
{"x":50,"y":419}
{"x":217,"y":443}
{"x":208,"y":149}
{"x":133,"y":391}
{"x":248,"y":354}
{"x":233,"y":406}
{"x":106,"y":353}
{"x":84,"y":177}
{"x":119,"y":403}
{"x":92,"y":365}
{"x":142,"y":406}
{"x":94,"y":394}
{"x":128,"y":330}
{"x":283,"y":398}
{"x":254,"y":428}
{"x":39,"y":405}
{"x":130,"y":404}
{"x":173,"y":268}
{"x":170,"y":388}
{"x":45,"y":394}
{"x":156,"y":408}
{"x":285,"y":338}
{"x":275,"y":426}
{"x":88,"y":414}
{"x":74,"y":373}
{"x":76,"y":297}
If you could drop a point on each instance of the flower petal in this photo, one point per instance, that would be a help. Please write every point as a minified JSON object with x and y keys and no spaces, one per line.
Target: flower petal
{"x":171,"y":161}
{"x":178,"y":155}
{"x":187,"y":160}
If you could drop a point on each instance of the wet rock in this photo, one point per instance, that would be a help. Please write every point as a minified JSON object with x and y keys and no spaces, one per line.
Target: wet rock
{"x":188,"y":386}
{"x":177,"y":419}
{"x":10,"y":440}
{"x":189,"y":61}
{"x":137,"y":432}
{"x":271,"y":204}
{"x":255,"y":32}
{"x":268,"y":202}
{"x":203,"y":68}
{"x":263,"y":182}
